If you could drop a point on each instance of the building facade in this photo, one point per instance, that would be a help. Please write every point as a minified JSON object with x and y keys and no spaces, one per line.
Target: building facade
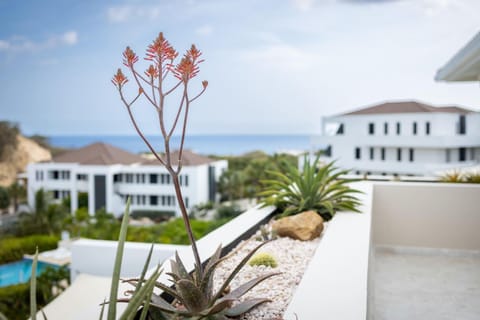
{"x":109,"y":175}
{"x":402,"y":138}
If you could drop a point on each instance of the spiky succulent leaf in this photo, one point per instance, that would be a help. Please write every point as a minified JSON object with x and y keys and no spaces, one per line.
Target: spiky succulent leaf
{"x":140,"y":296}
{"x":194,"y":299}
{"x":244,"y":307}
{"x":178,"y":268}
{"x":235,"y":272}
{"x":247,"y":286}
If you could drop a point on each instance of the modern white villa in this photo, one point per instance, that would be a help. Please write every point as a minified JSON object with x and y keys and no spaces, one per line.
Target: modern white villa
{"x":402,"y":138}
{"x":109,"y":175}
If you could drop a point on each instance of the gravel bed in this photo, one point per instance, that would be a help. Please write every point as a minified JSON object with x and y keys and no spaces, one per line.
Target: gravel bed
{"x":292,"y":257}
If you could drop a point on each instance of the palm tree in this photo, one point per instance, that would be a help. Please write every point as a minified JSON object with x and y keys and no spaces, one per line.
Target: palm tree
{"x":17,"y":193}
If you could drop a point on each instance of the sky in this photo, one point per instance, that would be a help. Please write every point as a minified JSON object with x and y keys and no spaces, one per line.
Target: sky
{"x":273,"y":66}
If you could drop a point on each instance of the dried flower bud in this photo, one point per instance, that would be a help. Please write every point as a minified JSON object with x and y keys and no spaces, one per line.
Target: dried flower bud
{"x":204,"y":84}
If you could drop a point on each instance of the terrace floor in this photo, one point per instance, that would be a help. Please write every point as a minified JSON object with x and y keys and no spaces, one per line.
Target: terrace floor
{"x":426,"y":284}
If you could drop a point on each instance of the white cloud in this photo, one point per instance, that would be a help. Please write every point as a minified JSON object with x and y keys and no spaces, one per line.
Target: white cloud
{"x":17,"y":44}
{"x":4,"y":45}
{"x":69,"y":38}
{"x":303,"y":5}
{"x":123,"y":13}
{"x":205,"y":30}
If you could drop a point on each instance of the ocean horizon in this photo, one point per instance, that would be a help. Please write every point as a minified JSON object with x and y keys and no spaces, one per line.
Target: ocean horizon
{"x":231,"y":144}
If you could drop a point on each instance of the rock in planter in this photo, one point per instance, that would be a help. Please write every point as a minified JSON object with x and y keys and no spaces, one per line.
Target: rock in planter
{"x":303,"y":226}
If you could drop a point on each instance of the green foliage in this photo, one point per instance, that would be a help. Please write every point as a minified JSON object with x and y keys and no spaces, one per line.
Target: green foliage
{"x":157,"y":216}
{"x":319,"y":189}
{"x":8,"y":139}
{"x":4,"y":198}
{"x":457,"y":176}
{"x":227,"y":212}
{"x":472,"y":177}
{"x":83,"y":200}
{"x":263,"y":259}
{"x":82,"y":215}
{"x":243,"y":178}
{"x":17,"y":194}
{"x":47,"y":218}
{"x":13,"y":249}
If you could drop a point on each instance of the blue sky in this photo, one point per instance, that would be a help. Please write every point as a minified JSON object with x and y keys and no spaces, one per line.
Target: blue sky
{"x":273,"y":66}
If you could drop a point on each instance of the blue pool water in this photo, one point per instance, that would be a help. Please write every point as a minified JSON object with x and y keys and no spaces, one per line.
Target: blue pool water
{"x":19,"y":272}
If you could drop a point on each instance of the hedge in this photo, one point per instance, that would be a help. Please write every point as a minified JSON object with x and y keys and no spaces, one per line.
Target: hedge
{"x":13,"y":249}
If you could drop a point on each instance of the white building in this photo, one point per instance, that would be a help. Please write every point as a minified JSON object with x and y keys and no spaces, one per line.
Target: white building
{"x":109,"y":175}
{"x":402,"y":138}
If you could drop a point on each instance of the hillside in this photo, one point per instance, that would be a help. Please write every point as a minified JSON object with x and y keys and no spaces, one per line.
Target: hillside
{"x":16,"y":162}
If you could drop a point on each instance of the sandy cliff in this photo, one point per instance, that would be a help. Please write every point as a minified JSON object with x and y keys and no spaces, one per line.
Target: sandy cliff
{"x":27,"y":151}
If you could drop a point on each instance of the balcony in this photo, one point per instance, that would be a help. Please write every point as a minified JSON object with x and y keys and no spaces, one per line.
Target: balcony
{"x":414,"y":251}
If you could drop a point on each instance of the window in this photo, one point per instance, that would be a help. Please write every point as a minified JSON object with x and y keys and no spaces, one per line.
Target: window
{"x":372,"y":153}
{"x":398,"y":128}
{"x":385,"y":128}
{"x":410,"y":154}
{"x":116,"y":178}
{"x":427,"y":128}
{"x":129,"y":178}
{"x":153,"y":200}
{"x":357,"y":153}
{"x":83,"y":177}
{"x":462,"y":154}
{"x":328,"y":151}
{"x":186,"y":202}
{"x":414,"y":128}
{"x":382,"y":151}
{"x":399,"y":154}
{"x":371,"y":128}
{"x":153,"y":178}
{"x":448,"y":156}
{"x":186,"y":180}
{"x":462,"y":125}
{"x":340,"y":129}
{"x":39,"y":175}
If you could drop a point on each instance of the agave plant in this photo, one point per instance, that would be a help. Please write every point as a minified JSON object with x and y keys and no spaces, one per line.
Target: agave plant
{"x":194,"y":295}
{"x":318,"y":188}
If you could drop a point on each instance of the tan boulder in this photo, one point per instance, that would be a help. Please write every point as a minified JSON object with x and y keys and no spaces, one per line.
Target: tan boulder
{"x":303,"y":226}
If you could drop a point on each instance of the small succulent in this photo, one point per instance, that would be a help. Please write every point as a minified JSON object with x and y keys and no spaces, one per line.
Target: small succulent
{"x":194,"y":296}
{"x":263,"y":259}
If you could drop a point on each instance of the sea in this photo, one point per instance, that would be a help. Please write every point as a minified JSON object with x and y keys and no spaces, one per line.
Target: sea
{"x":203,"y":144}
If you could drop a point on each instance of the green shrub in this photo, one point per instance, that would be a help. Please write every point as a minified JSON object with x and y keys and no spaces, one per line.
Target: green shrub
{"x":157,"y":216}
{"x":263,"y":259}
{"x":472,"y":177}
{"x":318,"y":188}
{"x":227,"y":212}
{"x":13,"y":249}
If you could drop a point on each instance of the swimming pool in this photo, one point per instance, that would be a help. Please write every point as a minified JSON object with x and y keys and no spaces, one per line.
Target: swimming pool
{"x":19,"y":272}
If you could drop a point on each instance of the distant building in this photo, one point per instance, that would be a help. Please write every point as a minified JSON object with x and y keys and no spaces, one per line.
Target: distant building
{"x":109,"y":175}
{"x":402,"y":138}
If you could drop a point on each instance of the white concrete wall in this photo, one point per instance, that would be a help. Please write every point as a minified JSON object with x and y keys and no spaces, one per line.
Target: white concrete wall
{"x":96,"y":257}
{"x":432,"y":215}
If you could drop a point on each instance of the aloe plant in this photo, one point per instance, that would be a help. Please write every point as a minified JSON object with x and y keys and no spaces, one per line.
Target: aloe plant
{"x":193,"y":293}
{"x":318,"y":188}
